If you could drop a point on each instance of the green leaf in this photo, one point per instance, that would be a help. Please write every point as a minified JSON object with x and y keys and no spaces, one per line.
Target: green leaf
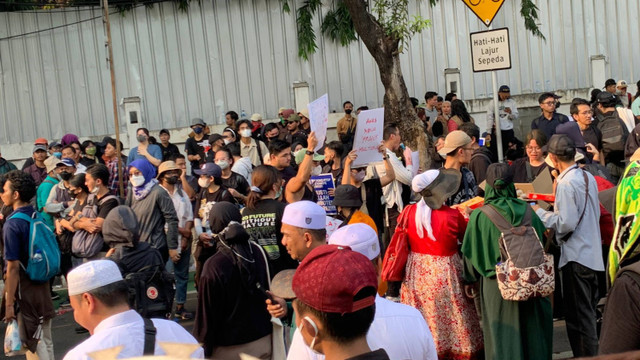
{"x":338,"y":26}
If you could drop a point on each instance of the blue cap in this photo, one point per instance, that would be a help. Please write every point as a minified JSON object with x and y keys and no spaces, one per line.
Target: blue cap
{"x":209,"y":169}
{"x":504,"y":88}
{"x":68,"y":162}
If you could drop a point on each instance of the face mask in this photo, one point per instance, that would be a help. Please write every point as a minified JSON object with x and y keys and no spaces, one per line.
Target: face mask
{"x":58,"y":155}
{"x":204,"y":183}
{"x":227,"y":141}
{"x":137,"y":180}
{"x":65,"y":175}
{"x":316,"y":171}
{"x":359,"y":176}
{"x":348,"y":111}
{"x":141,"y":138}
{"x":223,"y":164}
{"x":95,"y":190}
{"x":198,"y":130}
{"x":73,"y":196}
{"x":279,"y":193}
{"x":172,"y":180}
{"x":315,"y":334}
{"x":90,"y":151}
{"x":245,"y":133}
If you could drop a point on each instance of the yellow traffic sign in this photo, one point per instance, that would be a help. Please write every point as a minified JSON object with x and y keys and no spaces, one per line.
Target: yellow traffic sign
{"x":485,"y":10}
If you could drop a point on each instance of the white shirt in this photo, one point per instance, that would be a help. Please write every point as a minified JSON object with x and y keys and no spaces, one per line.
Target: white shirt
{"x":506,"y":119}
{"x":397,"y":328}
{"x":127,"y":329}
{"x":393,"y":191}
{"x":243,"y":167}
{"x":183,"y":208}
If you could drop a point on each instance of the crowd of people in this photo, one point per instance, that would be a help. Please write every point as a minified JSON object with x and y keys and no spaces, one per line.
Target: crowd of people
{"x":274,"y":276}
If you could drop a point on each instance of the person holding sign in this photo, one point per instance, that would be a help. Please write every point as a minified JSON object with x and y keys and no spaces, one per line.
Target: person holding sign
{"x":298,"y":187}
{"x":333,"y":158}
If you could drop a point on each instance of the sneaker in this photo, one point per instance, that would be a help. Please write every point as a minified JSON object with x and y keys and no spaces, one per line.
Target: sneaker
{"x":55,"y":296}
{"x":183,"y":314}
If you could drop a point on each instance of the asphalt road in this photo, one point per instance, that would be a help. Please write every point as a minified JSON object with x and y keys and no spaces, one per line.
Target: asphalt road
{"x":65,"y":337}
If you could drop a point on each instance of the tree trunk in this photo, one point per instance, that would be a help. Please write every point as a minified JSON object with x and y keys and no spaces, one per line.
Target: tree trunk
{"x":397,"y":103}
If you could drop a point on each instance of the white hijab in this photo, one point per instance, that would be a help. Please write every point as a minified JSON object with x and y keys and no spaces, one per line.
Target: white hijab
{"x":423,"y":212}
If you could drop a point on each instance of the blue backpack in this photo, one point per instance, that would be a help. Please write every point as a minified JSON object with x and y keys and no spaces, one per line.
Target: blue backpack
{"x":44,"y":254}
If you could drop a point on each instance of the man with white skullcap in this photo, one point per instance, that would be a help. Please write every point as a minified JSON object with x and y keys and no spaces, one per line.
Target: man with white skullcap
{"x":99,"y":297}
{"x":399,"y":329}
{"x":303,"y":229}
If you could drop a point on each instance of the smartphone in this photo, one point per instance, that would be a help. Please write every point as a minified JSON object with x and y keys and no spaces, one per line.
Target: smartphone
{"x":481,"y":141}
{"x":264,"y":292}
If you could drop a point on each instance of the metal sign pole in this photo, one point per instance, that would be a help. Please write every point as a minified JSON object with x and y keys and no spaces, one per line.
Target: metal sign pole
{"x":496,"y":114}
{"x":105,"y":4}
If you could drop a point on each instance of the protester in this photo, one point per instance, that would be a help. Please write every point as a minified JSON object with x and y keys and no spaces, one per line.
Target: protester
{"x":55,"y":149}
{"x":241,"y":165}
{"x":399,"y":329}
{"x":251,"y":148}
{"x":457,"y":149}
{"x":578,"y":236}
{"x":527,"y":169}
{"x":298,"y":188}
{"x":333,"y":158}
{"x":262,"y":217}
{"x":188,"y":183}
{"x":112,"y":162}
{"x":367,"y":180}
{"x":284,"y":114}
{"x":441,"y":126}
{"x":614,"y":134}
{"x":512,"y":329}
{"x":459,"y":115}
{"x":235,"y":183}
{"x":550,"y":118}
{"x":197,"y":146}
{"x":150,"y":152}
{"x":38,"y":170}
{"x":211,"y":192}
{"x":31,"y":160}
{"x":280,"y":158}
{"x":430,"y":111}
{"x":335,"y":305}
{"x":168,"y":176}
{"x":231,"y":318}
{"x":346,"y":126}
{"x":59,"y":203}
{"x":74,"y":153}
{"x":229,"y":136}
{"x":216,"y":142}
{"x":256,"y":125}
{"x":168,"y":149}
{"x":481,"y":157}
{"x":90,"y":151}
{"x":154,"y":208}
{"x":433,"y":280}
{"x":99,"y":297}
{"x":294,"y":129}
{"x":271,"y":132}
{"x":53,"y":166}
{"x":24,"y":300}
{"x":583,"y":115}
{"x":79,"y":193}
{"x":507,"y":113}
{"x":230,"y":118}
{"x":305,"y":124}
{"x":96,"y":179}
{"x":348,"y":202}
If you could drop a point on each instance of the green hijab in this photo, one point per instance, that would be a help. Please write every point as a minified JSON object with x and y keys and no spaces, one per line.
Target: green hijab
{"x":480,"y":245}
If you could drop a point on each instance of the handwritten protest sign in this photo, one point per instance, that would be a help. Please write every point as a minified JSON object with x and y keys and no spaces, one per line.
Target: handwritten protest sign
{"x":319,"y":119}
{"x":321,"y":184}
{"x":331,"y":225}
{"x":368,"y":137}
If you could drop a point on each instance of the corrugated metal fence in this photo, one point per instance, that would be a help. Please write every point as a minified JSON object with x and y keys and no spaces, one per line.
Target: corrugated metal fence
{"x":242,"y":55}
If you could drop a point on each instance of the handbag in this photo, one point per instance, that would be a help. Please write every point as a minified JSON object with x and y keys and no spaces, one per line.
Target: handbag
{"x":395,"y":258}
{"x":524,"y":270}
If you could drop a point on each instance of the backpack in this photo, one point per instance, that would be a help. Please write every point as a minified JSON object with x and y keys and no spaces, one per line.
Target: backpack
{"x":524,"y":271}
{"x":151,"y":291}
{"x":614,"y":134}
{"x":44,"y":255}
{"x":85,"y":244}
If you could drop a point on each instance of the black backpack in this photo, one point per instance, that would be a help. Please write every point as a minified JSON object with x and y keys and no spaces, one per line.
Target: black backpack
{"x":614,"y":134}
{"x":151,"y":291}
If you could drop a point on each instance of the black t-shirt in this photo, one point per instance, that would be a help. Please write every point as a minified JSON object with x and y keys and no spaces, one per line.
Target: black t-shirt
{"x":195,"y":147}
{"x":373,"y":194}
{"x":379,"y":354}
{"x":108,"y":205}
{"x":480,"y":161}
{"x":88,"y":162}
{"x":169,"y":151}
{"x":205,"y":199}
{"x":287,"y":173}
{"x":519,"y":169}
{"x":263,"y":224}
{"x":468,"y":189}
{"x":237,"y":182}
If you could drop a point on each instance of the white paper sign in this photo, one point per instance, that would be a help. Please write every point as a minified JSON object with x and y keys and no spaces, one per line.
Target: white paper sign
{"x":415,"y":159}
{"x":368,"y":137}
{"x":319,"y":118}
{"x":490,"y":50}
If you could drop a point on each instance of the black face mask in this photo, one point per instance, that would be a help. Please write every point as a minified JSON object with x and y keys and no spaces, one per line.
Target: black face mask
{"x":65,"y":175}
{"x":348,"y":111}
{"x":72,"y":195}
{"x":172,"y":180}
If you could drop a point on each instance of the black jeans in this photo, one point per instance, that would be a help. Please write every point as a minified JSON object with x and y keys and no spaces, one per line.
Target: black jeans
{"x":580,"y":295}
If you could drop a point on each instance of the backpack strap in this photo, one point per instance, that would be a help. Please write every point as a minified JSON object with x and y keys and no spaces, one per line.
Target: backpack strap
{"x":259,"y":150}
{"x":529,"y":172}
{"x":149,"y":337}
{"x":496,"y":218}
{"x":104,"y":199}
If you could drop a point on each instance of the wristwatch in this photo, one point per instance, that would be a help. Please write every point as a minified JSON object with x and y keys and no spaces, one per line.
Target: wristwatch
{"x":385,"y":157}
{"x":309,"y":152}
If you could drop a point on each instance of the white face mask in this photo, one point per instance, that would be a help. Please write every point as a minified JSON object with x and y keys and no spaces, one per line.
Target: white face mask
{"x":136,"y":180}
{"x":316,"y":171}
{"x":95,"y":190}
{"x":359,"y":176}
{"x":204,"y":183}
{"x":227,"y":141}
{"x":315,"y":335}
{"x":223,"y":164}
{"x":245,"y":133}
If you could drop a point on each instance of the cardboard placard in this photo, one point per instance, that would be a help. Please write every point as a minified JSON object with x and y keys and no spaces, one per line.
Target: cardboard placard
{"x":321,"y":185}
{"x":368,"y":137}
{"x":319,"y":119}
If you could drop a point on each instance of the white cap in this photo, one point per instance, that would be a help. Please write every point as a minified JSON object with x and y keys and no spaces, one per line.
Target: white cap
{"x":359,"y":237}
{"x":92,"y":275}
{"x":305,"y":215}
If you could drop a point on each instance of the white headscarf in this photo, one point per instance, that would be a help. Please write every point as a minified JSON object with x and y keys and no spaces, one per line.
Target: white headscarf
{"x":423,"y":212}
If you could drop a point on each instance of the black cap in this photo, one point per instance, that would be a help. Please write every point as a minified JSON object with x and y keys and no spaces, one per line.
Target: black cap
{"x":562,"y":145}
{"x":504,"y":88}
{"x":209,"y":169}
{"x":606,"y":98}
{"x":347,"y":196}
{"x":609,"y":82}
{"x":164,"y":131}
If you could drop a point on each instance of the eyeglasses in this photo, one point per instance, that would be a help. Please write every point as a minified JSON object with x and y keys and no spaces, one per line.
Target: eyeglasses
{"x":549,"y":103}
{"x":533,"y":149}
